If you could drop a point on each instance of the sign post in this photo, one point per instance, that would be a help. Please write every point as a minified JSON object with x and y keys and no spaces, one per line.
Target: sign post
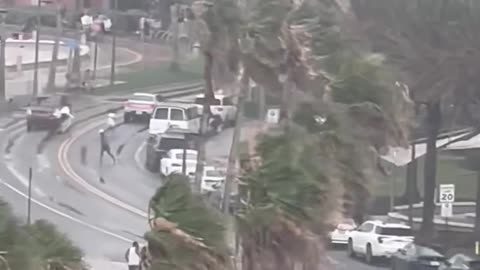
{"x":447,"y":198}
{"x":447,"y":193}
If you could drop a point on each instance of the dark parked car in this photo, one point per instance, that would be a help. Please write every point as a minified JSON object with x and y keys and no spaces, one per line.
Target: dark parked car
{"x":158,"y":145}
{"x":461,"y":262}
{"x":416,"y":257}
{"x":41,"y":112}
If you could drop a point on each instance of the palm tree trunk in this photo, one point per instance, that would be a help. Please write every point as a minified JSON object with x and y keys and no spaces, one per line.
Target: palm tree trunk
{"x":209,"y":95}
{"x":411,"y":193}
{"x":477,"y":210}
{"x":262,"y":111}
{"x":175,"y":64}
{"x":53,"y":64}
{"x":434,"y":123}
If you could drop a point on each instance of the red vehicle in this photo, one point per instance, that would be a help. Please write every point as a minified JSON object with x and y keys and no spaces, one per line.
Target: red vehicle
{"x":140,"y":105}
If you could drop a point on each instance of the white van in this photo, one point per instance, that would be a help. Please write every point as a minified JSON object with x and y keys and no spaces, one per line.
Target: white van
{"x":174,"y":115}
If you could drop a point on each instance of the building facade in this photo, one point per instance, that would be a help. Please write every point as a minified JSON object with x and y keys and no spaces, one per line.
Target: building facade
{"x":70,"y":4}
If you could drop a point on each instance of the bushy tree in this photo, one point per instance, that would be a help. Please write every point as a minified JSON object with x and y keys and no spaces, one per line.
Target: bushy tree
{"x":185,"y":233}
{"x":36,"y":246}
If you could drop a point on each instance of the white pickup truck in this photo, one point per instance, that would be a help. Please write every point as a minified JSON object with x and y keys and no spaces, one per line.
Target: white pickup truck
{"x":222,"y":107}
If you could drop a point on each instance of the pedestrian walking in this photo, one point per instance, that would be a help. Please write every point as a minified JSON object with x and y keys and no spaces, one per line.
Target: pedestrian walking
{"x":132,"y":256}
{"x":105,"y":147}
{"x":144,"y":259}
{"x":110,"y":121}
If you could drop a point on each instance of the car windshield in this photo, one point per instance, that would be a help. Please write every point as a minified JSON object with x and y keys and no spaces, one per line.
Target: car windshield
{"x":214,"y":173}
{"x":141,"y":98}
{"x":171,"y":143}
{"x":394,"y":231}
{"x":189,"y":156}
{"x":201,"y":101}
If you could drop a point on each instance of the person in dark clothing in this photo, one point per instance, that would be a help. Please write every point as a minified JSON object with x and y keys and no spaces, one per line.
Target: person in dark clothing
{"x":105,"y":147}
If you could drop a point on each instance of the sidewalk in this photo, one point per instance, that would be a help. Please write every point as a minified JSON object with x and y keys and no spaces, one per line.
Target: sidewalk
{"x":96,"y":264}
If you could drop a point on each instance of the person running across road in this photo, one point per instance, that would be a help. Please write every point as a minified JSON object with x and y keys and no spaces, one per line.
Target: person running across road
{"x":132,"y":256}
{"x":105,"y":147}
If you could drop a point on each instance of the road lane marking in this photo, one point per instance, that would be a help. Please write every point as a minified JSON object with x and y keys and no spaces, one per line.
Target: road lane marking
{"x":67,"y":168}
{"x":22,"y":179}
{"x":43,"y":162}
{"x":55,"y":211}
{"x":137,"y":155}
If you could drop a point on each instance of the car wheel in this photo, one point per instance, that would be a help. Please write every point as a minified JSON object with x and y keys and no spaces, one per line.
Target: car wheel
{"x":126,"y":117}
{"x":350,"y":251}
{"x":392,"y":264}
{"x":368,"y":254}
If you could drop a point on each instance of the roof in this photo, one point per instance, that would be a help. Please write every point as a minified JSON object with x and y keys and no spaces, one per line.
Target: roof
{"x":180,"y":151}
{"x":144,"y":94}
{"x":218,"y":94}
{"x":176,"y":105}
{"x":388,"y":225}
{"x":400,"y":156}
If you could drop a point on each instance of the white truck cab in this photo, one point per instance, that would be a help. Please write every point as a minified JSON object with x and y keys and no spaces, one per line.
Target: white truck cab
{"x":223,"y":106}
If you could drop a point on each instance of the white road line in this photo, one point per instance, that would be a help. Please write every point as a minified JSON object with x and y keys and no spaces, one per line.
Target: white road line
{"x":42,"y":162}
{"x":93,"y":227}
{"x":22,"y":179}
{"x":137,"y":154}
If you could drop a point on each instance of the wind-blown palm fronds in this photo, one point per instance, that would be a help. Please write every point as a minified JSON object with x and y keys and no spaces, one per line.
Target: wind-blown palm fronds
{"x":186,"y":233}
{"x":52,"y":248}
{"x":36,"y":247}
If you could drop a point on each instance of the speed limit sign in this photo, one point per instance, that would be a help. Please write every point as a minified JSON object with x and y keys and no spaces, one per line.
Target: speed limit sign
{"x":447,"y":193}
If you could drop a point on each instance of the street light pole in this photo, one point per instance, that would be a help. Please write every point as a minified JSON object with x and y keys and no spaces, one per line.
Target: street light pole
{"x":29,"y":202}
{"x":3,"y":260}
{"x":37,"y":45}
{"x":114,"y":43}
{"x":232,"y":158}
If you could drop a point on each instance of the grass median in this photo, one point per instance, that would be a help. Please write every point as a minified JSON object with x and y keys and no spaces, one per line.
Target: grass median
{"x":156,"y":76}
{"x":448,"y":172}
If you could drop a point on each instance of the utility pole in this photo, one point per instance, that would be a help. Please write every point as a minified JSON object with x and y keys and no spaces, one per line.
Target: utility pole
{"x":53,"y":64}
{"x":232,"y":158}
{"x":37,"y":45}
{"x":114,"y":43}
{"x":29,"y":202}
{"x":95,"y":60}
{"x":3,"y":37}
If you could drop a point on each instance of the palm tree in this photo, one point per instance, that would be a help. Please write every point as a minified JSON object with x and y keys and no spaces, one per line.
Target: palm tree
{"x":36,"y":246}
{"x":53,"y":249}
{"x":185,"y":233}
{"x":435,"y":48}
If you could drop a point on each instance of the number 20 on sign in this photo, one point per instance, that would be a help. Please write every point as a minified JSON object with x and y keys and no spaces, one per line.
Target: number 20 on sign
{"x":447,"y":193}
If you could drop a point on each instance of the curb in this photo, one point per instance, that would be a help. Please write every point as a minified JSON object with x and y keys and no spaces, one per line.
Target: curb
{"x":436,"y":221}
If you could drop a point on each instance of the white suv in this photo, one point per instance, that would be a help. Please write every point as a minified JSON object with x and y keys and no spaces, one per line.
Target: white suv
{"x":378,"y":239}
